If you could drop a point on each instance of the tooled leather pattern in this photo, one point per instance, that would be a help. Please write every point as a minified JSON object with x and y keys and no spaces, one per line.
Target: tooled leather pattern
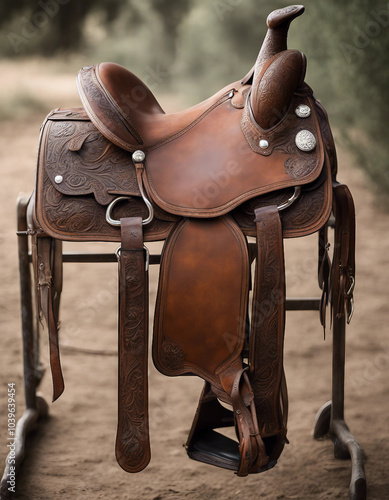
{"x":82,"y":218}
{"x":98,"y":167}
{"x":68,"y":114}
{"x":327,"y":136}
{"x":133,"y":366}
{"x":282,"y":136}
{"x":299,"y":216}
{"x":172,"y":354}
{"x":92,"y":88}
{"x":269,"y":92}
{"x":267,"y":316}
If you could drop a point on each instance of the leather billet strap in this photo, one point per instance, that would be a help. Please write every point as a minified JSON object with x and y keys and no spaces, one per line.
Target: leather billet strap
{"x":324,"y":273}
{"x":132,"y":439}
{"x":343,"y":268}
{"x":48,"y":289}
{"x":267,"y":327}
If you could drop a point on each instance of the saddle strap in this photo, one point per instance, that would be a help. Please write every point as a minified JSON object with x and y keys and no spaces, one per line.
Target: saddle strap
{"x":267,"y":329}
{"x":252,"y":450}
{"x":132,"y":439}
{"x":343,"y":268}
{"x":49,"y":282}
{"x":324,"y":269}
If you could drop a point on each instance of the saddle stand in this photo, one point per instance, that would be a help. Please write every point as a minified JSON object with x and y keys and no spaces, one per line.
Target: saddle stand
{"x":120,"y":169}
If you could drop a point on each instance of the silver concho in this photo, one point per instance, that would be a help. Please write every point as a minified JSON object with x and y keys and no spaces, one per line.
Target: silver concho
{"x":263,"y":144}
{"x":303,"y":111}
{"x":138,"y":156}
{"x":58,"y":179}
{"x":305,"y":140}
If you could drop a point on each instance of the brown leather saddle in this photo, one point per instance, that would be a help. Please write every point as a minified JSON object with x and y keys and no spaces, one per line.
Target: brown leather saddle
{"x":257,"y":159}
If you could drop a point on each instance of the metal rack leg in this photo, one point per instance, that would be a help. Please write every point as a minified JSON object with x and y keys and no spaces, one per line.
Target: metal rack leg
{"x":35,"y":405}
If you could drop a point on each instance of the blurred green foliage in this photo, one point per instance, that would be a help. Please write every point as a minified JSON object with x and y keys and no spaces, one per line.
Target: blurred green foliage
{"x":348,"y":59}
{"x":196,"y":46}
{"x":49,"y":26}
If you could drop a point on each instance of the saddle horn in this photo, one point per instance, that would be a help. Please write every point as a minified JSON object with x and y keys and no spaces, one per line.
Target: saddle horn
{"x":278,"y":23}
{"x":277,"y":71}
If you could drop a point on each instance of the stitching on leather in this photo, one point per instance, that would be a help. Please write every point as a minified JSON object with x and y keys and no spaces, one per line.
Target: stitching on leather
{"x":221,"y":100}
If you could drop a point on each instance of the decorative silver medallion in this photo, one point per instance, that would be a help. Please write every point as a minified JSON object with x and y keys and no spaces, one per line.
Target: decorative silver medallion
{"x":263,"y":144}
{"x":303,"y":111}
{"x":138,"y":156}
{"x":58,"y":179}
{"x":305,"y":140}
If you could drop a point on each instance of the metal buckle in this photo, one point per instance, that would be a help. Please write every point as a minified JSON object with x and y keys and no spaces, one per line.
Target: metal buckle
{"x":352,"y":286}
{"x":147,"y":259}
{"x":349,"y":295}
{"x":350,"y":310}
{"x":118,"y":253}
{"x":29,"y":232}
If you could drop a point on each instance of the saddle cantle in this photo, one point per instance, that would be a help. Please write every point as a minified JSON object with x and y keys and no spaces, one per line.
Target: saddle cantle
{"x":255,"y":159}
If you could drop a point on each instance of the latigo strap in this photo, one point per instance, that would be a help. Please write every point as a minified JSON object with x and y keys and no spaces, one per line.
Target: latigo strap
{"x":267,"y":329}
{"x":132,"y":439}
{"x":48,"y":290}
{"x":343,"y":268}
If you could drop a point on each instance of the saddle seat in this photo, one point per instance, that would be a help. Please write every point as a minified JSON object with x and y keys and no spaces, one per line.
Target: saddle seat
{"x":128,"y":113}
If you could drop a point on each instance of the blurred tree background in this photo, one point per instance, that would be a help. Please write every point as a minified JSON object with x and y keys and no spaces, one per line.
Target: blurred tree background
{"x":193,"y":47}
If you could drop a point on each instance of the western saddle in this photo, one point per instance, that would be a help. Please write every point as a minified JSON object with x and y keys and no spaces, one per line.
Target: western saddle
{"x":257,"y":159}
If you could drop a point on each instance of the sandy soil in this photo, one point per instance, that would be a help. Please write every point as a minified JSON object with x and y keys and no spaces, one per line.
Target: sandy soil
{"x":71,"y":455}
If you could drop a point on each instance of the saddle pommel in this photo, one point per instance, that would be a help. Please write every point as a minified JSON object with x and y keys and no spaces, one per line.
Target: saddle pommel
{"x":277,"y":71}
{"x":275,"y":85}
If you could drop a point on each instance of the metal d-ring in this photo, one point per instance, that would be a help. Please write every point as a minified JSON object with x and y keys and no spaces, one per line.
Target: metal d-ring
{"x":114,"y":222}
{"x":292,"y":199}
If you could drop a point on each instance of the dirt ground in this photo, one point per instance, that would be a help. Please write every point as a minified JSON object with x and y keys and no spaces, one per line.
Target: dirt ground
{"x":71,"y":455}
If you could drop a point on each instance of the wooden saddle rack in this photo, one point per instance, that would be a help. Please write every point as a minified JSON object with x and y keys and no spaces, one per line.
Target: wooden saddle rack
{"x":257,"y":159}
